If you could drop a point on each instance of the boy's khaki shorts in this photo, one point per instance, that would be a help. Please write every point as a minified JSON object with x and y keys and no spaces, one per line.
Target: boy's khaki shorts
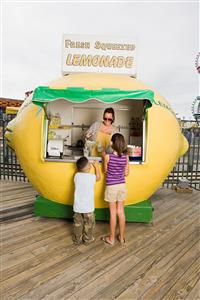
{"x":115,"y":192}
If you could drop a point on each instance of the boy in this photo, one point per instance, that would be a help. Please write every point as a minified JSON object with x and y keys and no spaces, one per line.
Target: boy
{"x":84,"y":218}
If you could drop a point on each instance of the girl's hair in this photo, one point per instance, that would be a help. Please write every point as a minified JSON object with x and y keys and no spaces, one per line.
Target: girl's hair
{"x":110,"y":110}
{"x":118,"y":143}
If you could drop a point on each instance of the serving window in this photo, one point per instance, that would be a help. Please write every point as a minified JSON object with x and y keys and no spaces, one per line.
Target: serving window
{"x":67,"y":122}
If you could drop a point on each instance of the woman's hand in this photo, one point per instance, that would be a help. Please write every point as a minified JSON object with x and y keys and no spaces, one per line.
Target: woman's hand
{"x":88,"y":135}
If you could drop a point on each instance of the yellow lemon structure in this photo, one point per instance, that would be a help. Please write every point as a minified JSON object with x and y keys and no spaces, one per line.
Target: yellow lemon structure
{"x":54,"y":180}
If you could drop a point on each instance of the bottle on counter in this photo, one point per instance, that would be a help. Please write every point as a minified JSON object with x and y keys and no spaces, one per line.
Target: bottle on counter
{"x":86,"y":152}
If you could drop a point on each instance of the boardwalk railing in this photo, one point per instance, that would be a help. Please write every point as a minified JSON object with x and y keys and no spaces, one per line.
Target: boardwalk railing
{"x":9,"y":166}
{"x":187,"y":166}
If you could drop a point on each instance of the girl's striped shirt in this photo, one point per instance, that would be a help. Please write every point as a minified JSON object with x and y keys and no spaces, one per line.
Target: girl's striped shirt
{"x":115,"y":169}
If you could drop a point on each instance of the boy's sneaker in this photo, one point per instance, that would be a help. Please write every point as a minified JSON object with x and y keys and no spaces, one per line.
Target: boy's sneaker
{"x":88,"y":242}
{"x":77,"y":243}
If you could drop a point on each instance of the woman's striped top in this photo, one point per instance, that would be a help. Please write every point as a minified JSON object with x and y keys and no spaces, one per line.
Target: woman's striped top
{"x":115,"y":169}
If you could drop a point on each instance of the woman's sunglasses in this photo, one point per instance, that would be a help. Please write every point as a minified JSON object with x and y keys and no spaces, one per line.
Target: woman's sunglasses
{"x":108,"y":119}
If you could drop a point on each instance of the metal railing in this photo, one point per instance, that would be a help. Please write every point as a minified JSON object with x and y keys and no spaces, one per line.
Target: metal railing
{"x":188,"y":166}
{"x":10,"y":168}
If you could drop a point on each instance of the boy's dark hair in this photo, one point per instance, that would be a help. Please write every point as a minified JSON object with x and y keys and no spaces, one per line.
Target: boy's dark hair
{"x":119,"y":144}
{"x":110,"y":110}
{"x":81,"y":163}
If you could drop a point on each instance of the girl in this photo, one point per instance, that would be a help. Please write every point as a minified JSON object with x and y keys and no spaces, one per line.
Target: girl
{"x":116,"y":166}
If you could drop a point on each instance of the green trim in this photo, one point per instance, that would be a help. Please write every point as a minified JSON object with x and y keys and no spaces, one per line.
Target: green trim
{"x":139,"y":212}
{"x":45,"y":94}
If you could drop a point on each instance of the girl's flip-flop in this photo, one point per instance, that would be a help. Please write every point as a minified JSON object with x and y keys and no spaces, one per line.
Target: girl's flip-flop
{"x":106,"y":240}
{"x":121,"y":241}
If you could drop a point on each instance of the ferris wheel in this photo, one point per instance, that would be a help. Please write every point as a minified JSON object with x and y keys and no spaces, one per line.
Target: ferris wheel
{"x":196,"y":109}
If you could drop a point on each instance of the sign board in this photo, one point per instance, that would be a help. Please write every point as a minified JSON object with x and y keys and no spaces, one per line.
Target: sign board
{"x":98,"y":54}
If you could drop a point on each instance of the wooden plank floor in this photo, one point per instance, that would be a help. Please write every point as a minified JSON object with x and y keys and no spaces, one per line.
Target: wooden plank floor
{"x":17,"y":200}
{"x":158,"y":261}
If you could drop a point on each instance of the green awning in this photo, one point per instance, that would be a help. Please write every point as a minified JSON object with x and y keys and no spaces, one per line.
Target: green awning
{"x":43,"y":95}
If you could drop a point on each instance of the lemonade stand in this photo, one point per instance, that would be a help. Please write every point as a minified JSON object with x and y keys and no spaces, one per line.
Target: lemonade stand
{"x":48,"y":132}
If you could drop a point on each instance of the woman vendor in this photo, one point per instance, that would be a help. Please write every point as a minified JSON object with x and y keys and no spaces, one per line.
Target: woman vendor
{"x":100,"y":133}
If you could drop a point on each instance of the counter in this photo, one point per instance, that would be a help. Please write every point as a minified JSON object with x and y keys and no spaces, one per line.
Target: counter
{"x":73,"y":159}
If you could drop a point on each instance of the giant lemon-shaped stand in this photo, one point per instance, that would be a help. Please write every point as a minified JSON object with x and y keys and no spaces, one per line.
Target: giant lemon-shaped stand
{"x":54,"y":180}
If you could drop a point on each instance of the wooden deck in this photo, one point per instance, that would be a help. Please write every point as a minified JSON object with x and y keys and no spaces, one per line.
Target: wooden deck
{"x":158,"y":261}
